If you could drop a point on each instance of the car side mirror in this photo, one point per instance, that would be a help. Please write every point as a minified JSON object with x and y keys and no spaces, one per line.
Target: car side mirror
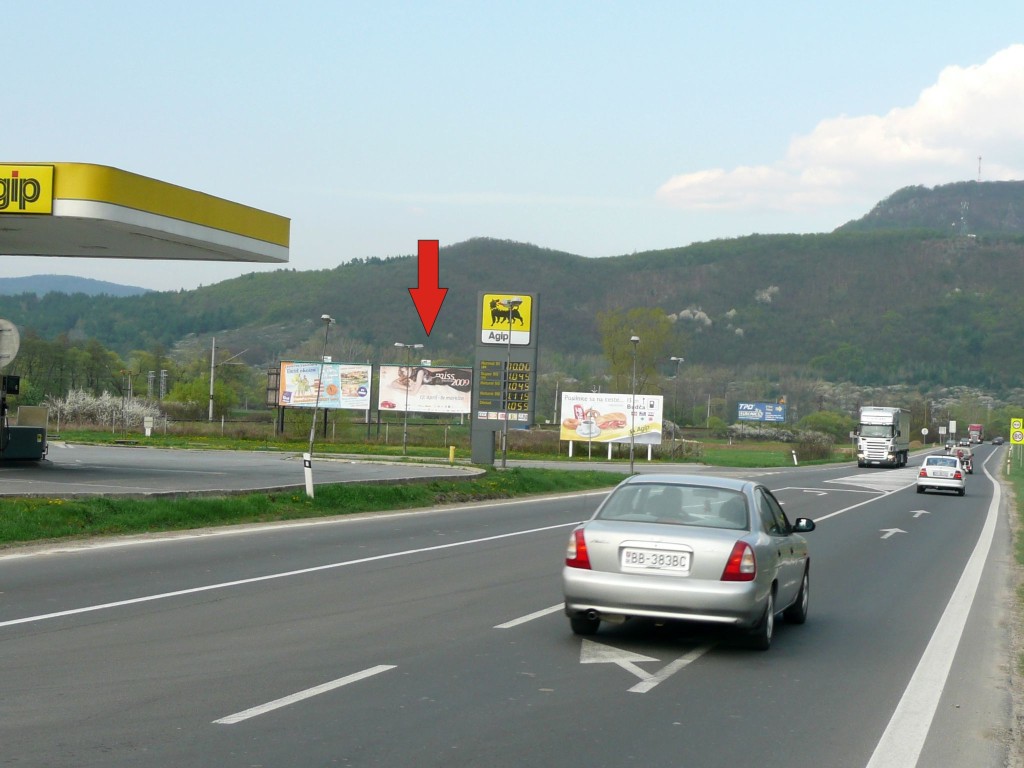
{"x":803,"y":525}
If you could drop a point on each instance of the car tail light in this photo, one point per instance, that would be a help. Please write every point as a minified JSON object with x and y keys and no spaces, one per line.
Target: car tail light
{"x":742,"y":565}
{"x":923,"y":472}
{"x":576,"y":553}
{"x":958,"y":475}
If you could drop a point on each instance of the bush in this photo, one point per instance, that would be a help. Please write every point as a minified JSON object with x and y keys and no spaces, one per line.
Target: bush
{"x":80,"y":407}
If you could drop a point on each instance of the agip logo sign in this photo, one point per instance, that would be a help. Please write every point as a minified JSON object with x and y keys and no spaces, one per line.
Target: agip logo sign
{"x":26,"y":189}
{"x":506,"y":318}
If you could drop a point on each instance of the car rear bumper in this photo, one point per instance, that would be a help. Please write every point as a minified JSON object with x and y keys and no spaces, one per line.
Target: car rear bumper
{"x":940,"y":484}
{"x":612,"y":595}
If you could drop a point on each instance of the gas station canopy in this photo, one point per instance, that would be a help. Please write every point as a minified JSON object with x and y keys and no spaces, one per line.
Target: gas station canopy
{"x":80,"y":209}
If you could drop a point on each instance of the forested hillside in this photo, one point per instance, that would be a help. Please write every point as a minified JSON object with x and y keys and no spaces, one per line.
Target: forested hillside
{"x":921,"y":307}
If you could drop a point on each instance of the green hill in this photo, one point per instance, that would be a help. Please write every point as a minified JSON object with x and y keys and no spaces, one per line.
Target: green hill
{"x":882,"y":300}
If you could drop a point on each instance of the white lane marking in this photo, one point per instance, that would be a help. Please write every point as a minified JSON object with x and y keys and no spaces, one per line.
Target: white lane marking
{"x":306,"y":694}
{"x":888,"y":533}
{"x":904,"y":737}
{"x":855,"y":506}
{"x":530,"y":616}
{"x":283,"y":575}
{"x":885,"y":482}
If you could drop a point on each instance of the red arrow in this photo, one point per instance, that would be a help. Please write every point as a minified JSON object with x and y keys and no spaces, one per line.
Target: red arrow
{"x":427,"y":296}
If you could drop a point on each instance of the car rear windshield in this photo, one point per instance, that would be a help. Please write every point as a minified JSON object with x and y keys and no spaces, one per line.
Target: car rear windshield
{"x":677,"y":505}
{"x":941,"y":461}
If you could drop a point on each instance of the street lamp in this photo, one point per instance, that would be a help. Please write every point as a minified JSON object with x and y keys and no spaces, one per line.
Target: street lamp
{"x":512,"y":304}
{"x":675,"y":395}
{"x":634,"y":340}
{"x":408,"y":385}
{"x":307,"y":461}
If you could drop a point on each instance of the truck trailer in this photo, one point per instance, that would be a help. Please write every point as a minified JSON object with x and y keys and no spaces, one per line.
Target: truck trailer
{"x":883,"y":437}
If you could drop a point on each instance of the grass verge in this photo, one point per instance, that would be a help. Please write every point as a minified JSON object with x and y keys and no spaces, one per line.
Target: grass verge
{"x":36,"y":519}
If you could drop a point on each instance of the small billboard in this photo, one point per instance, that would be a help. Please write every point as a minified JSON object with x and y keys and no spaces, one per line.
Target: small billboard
{"x":604,"y":417}
{"x":770,"y":412}
{"x":342,"y":385}
{"x":425,"y":389}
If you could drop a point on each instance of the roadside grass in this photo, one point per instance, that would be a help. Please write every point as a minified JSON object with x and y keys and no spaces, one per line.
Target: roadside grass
{"x":1014,"y":474}
{"x":714,"y":452}
{"x":25,"y":520}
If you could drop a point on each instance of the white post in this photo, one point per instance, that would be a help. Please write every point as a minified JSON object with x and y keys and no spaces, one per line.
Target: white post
{"x":307,"y":463}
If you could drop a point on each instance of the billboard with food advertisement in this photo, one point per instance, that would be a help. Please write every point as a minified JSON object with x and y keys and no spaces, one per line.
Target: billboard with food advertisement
{"x":428,"y":390}
{"x":603,"y":417}
{"x":342,"y":386}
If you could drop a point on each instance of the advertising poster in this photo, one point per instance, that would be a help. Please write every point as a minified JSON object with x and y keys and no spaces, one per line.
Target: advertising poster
{"x":603,"y":417}
{"x":770,"y":412}
{"x":344,"y":386}
{"x":429,"y":390}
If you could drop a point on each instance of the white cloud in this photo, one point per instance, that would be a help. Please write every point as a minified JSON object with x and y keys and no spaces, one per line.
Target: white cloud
{"x":969,"y":112}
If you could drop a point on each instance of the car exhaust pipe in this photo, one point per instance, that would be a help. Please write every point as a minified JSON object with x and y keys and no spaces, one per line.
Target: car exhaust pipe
{"x":592,"y":614}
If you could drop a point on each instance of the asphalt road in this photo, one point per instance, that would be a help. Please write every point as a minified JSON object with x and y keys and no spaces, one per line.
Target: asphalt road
{"x":435,"y":638}
{"x":83,"y":470}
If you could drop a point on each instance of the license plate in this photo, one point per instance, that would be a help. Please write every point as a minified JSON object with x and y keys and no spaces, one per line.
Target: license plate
{"x":635,"y":559}
{"x":943,"y":473}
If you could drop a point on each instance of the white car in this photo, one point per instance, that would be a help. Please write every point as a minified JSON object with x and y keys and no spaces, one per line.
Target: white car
{"x":942,"y":473}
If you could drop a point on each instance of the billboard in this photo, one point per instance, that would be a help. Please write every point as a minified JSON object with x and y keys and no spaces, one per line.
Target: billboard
{"x":429,"y":390}
{"x":343,"y":386}
{"x":771,"y":412}
{"x":603,"y":417}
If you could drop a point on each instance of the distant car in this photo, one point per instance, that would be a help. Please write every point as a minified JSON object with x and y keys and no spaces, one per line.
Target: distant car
{"x":998,"y":441}
{"x":965,"y":441}
{"x":942,"y":473}
{"x":695,"y":548}
{"x":949,"y":446}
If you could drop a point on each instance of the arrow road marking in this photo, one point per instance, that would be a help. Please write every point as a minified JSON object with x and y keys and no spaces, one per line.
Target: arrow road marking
{"x":919,"y":512}
{"x":887,"y":532}
{"x":670,"y":669}
{"x":598,"y":653}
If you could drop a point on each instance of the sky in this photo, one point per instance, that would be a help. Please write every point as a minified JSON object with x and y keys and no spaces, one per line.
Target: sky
{"x":595,"y":128}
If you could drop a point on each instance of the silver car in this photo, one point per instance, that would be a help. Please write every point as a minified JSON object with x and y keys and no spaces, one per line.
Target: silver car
{"x":706,"y":549}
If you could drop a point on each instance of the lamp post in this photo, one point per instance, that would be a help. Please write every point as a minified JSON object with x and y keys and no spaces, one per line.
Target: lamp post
{"x":307,"y":459}
{"x":512,"y":304}
{"x":675,"y":395}
{"x":408,"y":384}
{"x":634,"y":340}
